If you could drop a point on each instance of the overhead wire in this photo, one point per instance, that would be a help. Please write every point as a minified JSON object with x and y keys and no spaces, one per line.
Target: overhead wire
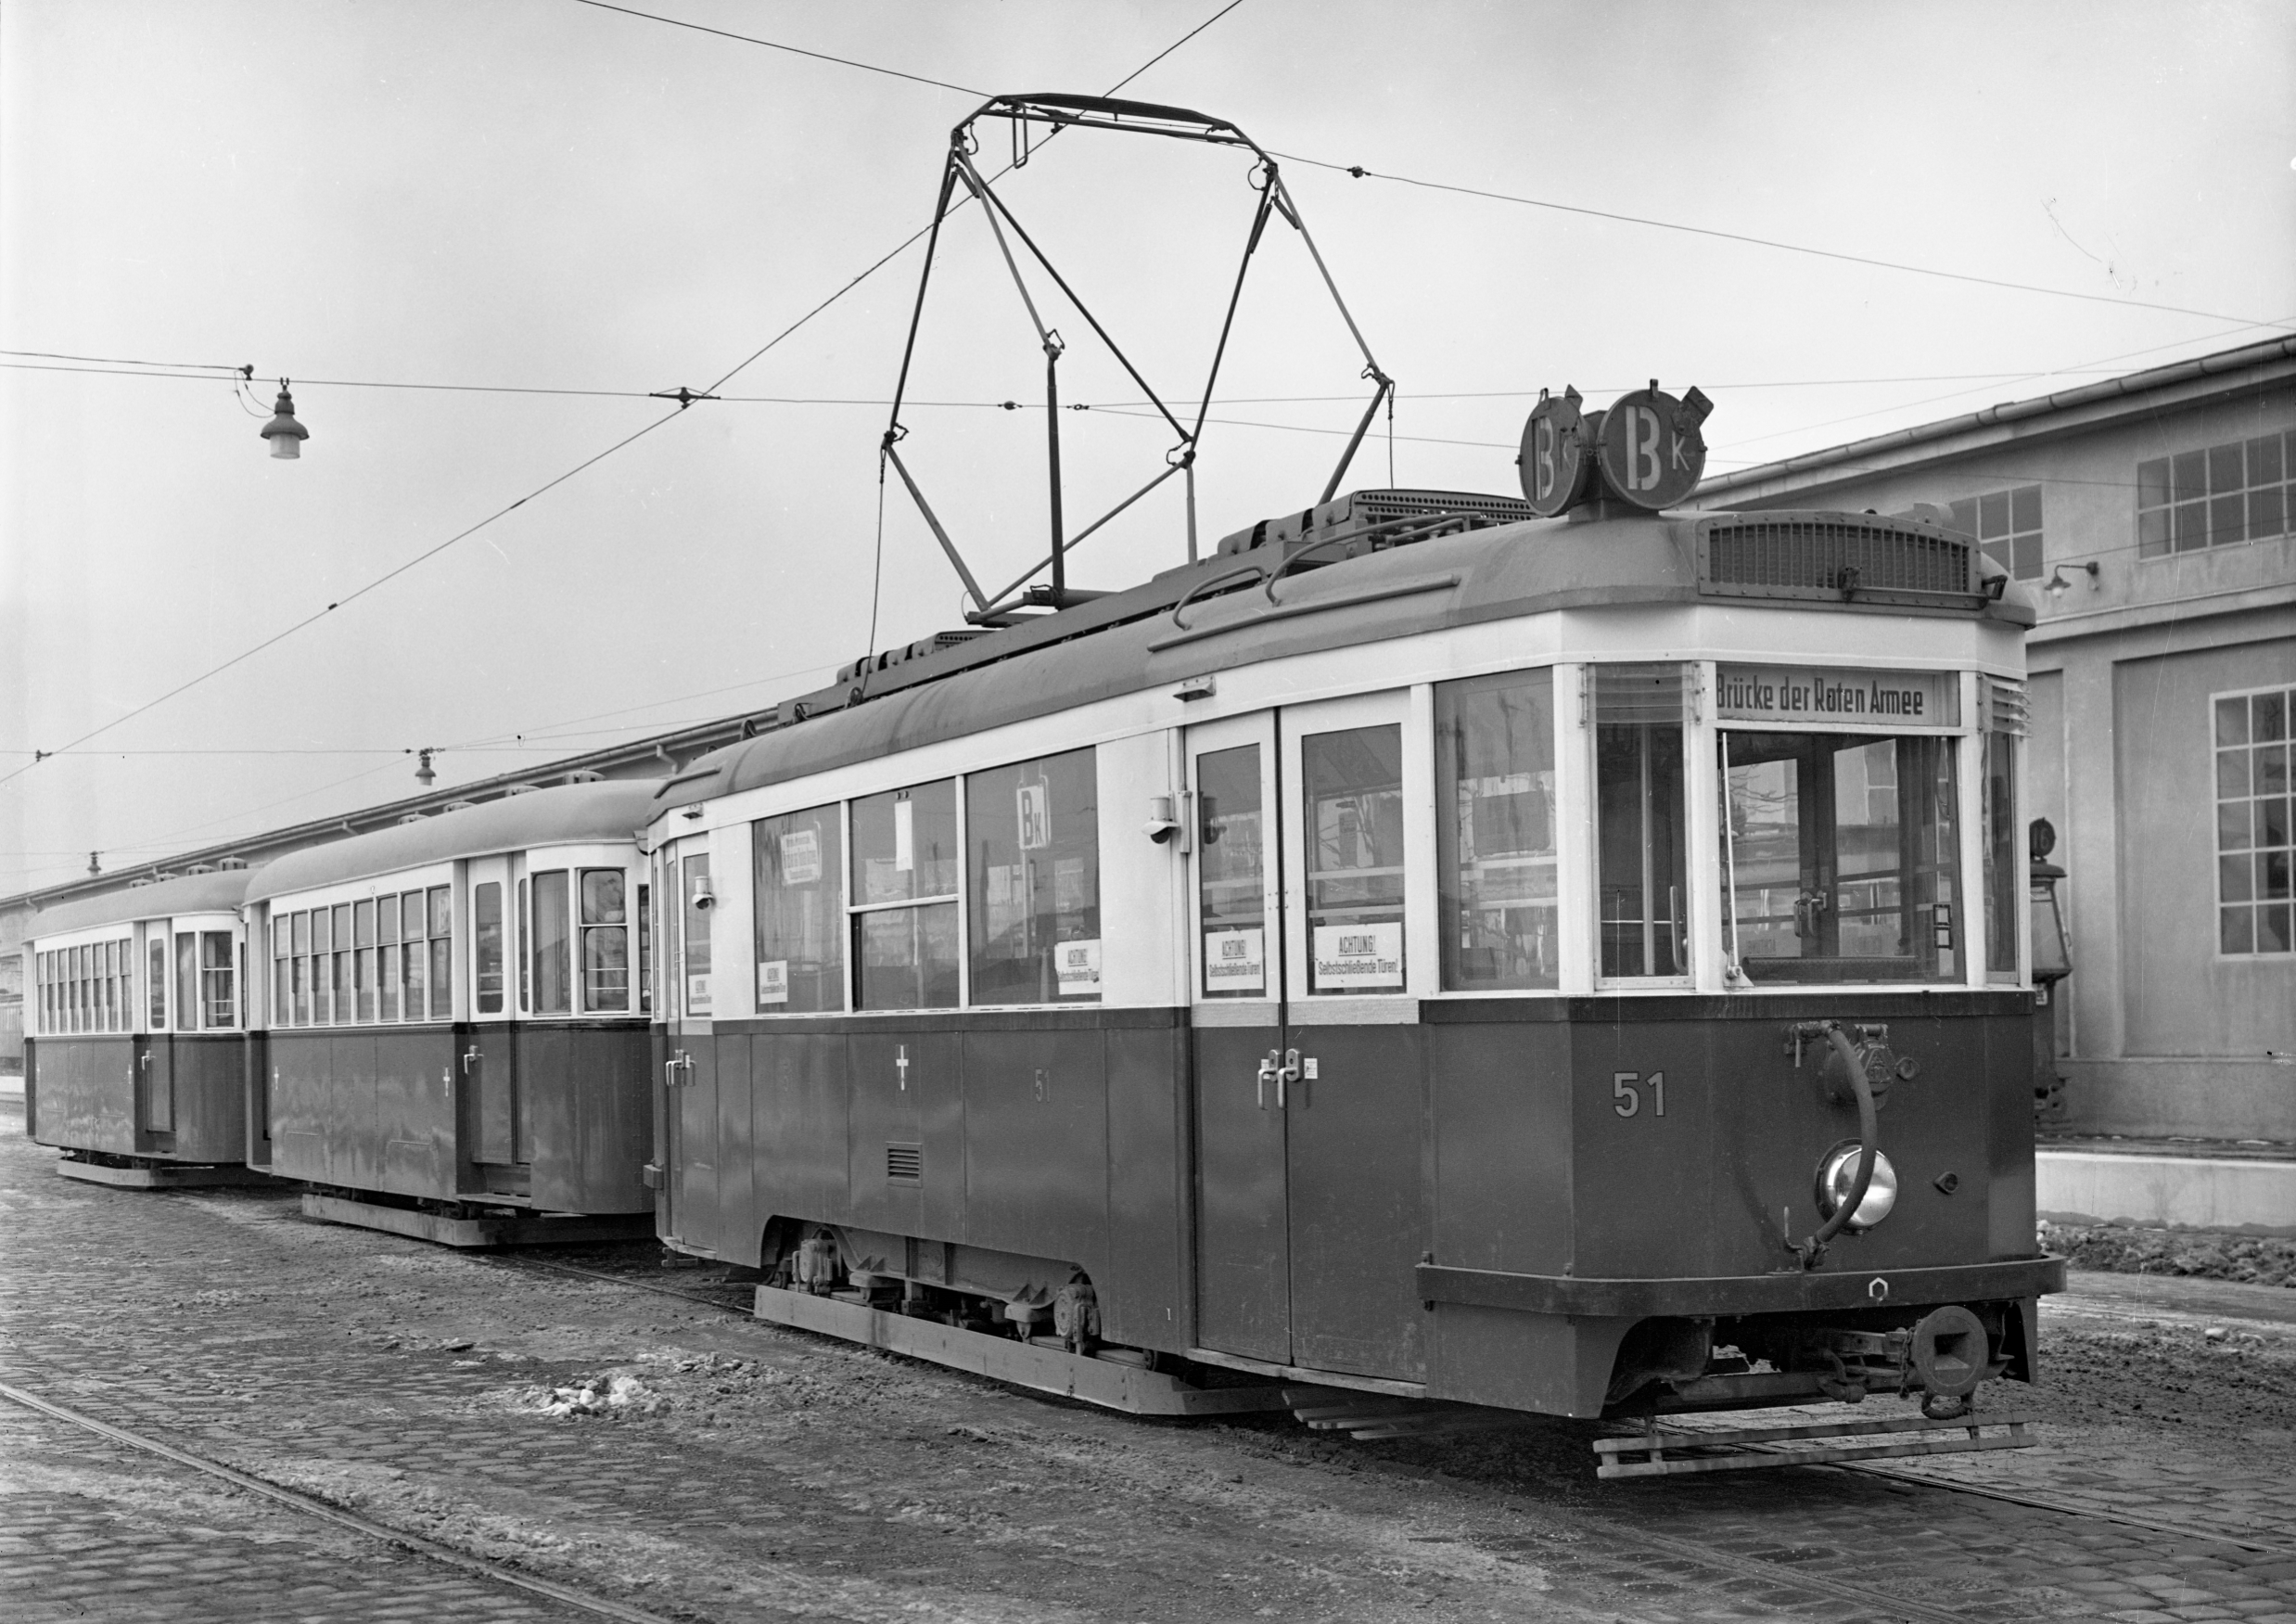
{"x":618,"y":445}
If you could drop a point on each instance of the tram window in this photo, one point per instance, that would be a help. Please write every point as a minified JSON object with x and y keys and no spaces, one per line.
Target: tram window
{"x":486,"y":937}
{"x":362,"y":967}
{"x":1353,"y":781}
{"x":904,"y":891}
{"x":694,"y":934}
{"x":605,"y":939}
{"x":187,"y":980}
{"x":554,"y":983}
{"x":1033,"y":833}
{"x":345,"y":1008}
{"x":800,"y":912}
{"x":156,"y":980}
{"x":2001,"y":824}
{"x":387,"y":957}
{"x":645,"y":947}
{"x":302,"y":969}
{"x":1231,"y":873}
{"x":1838,"y":860}
{"x":526,"y":965}
{"x":1495,"y":831}
{"x":218,"y":1007}
{"x":1640,"y":859}
{"x":441,"y":908}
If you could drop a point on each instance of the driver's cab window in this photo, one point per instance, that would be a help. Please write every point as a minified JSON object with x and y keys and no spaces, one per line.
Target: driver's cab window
{"x":1640,"y":872}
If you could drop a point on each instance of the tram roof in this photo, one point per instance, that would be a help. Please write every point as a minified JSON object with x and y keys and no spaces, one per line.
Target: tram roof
{"x":1131,"y":641}
{"x":186,"y":893}
{"x":560,"y":815}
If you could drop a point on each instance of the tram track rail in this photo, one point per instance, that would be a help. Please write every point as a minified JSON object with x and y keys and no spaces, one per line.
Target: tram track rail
{"x":320,"y":1510}
{"x":1687,"y":1549}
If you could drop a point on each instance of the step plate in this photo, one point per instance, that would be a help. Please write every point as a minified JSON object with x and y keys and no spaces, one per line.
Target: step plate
{"x":1048,"y":1370}
{"x":165,"y":1175}
{"x":468,"y":1232}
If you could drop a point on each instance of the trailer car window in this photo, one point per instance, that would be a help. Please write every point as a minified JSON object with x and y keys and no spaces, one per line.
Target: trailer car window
{"x":800,"y":912}
{"x":156,"y":980}
{"x":1032,"y":833}
{"x":387,"y":957}
{"x":486,"y":935}
{"x":904,"y":891}
{"x":441,"y":953}
{"x":362,"y":967}
{"x":1495,"y":831}
{"x":554,"y":983}
{"x":605,"y":939}
{"x":525,"y":962}
{"x":218,"y":1007}
{"x":187,"y":980}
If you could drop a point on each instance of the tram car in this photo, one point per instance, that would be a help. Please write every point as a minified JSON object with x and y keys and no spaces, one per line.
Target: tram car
{"x":453,"y":1016}
{"x":1572,"y":964}
{"x":137,"y":1025}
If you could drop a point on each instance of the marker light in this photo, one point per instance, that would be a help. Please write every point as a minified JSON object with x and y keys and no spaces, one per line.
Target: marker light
{"x":1838,"y":1173}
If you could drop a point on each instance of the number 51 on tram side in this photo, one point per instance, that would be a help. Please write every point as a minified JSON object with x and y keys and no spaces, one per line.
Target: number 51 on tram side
{"x":1562,"y":965}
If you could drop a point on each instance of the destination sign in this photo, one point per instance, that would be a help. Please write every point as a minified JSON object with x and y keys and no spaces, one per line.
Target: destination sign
{"x":1865,"y":700}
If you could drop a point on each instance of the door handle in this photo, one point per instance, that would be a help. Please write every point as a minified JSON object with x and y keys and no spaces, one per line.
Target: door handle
{"x":468,"y":1056}
{"x":147,"y":1060}
{"x":1266,"y":1076}
{"x":1286,"y":1073}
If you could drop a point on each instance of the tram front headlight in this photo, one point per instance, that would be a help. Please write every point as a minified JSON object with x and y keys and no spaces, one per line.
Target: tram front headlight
{"x":1838,"y":1173}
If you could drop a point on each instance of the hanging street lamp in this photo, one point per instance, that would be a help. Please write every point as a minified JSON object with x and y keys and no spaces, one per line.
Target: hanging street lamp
{"x":287,"y":435}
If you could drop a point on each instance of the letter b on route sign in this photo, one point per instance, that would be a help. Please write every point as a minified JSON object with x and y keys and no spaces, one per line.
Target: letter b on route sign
{"x":1652,"y":452}
{"x":1553,"y":462}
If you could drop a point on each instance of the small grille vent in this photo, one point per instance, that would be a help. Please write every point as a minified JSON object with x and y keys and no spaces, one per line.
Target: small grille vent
{"x":904,"y":1164}
{"x":1824,"y":558}
{"x":2007,"y":708}
{"x":1625,"y":694}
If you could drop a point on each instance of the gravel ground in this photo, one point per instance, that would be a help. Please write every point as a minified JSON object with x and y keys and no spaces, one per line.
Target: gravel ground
{"x":2200,"y":1254}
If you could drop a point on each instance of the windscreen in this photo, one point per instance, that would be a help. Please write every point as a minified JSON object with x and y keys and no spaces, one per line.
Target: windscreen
{"x":1838,"y":860}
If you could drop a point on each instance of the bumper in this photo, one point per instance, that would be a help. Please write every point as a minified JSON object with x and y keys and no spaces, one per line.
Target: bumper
{"x":1720,"y":1295}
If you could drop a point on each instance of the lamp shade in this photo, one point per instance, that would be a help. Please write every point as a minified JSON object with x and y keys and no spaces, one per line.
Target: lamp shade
{"x":287,"y":435}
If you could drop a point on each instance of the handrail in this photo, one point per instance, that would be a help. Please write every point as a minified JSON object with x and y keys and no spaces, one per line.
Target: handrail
{"x":1403,"y":530}
{"x":1190,"y":596}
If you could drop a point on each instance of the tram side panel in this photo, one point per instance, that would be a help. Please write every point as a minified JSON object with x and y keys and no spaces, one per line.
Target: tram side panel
{"x":1027,"y":1144}
{"x":206,"y":1108}
{"x":589,"y":1107}
{"x":87,"y":1093}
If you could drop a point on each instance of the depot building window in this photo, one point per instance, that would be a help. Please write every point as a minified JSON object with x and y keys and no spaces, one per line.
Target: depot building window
{"x":2008,"y":526}
{"x":2254,"y":816}
{"x":2238,"y":492}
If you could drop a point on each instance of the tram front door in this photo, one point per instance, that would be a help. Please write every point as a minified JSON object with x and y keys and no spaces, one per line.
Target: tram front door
{"x":1306,"y":1074}
{"x":690,"y":1071}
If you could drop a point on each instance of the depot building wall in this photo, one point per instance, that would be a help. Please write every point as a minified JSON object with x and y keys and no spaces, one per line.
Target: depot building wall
{"x":2160,"y":1033}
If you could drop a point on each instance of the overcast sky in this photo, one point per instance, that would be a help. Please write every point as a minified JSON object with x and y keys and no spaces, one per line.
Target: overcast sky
{"x":544,"y":195}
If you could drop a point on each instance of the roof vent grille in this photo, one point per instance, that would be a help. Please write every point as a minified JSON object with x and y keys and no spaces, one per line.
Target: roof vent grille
{"x":1832,"y":556}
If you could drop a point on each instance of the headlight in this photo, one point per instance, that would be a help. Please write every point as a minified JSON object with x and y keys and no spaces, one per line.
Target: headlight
{"x":1838,"y":1172}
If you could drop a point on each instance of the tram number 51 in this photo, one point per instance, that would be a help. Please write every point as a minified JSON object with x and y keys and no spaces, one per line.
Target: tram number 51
{"x":1628,"y":1098}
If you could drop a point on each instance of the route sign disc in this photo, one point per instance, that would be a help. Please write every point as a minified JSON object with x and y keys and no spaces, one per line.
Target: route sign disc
{"x":1651,"y":451}
{"x":1553,"y":463}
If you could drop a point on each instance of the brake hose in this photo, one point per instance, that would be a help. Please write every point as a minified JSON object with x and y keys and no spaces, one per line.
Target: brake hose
{"x":1869,"y":1131}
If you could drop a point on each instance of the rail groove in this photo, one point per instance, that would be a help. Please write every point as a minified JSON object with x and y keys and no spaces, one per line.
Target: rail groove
{"x":313,"y":1506}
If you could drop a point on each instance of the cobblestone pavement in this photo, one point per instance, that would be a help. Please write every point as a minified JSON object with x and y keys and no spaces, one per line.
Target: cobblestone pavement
{"x":747,"y":1472}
